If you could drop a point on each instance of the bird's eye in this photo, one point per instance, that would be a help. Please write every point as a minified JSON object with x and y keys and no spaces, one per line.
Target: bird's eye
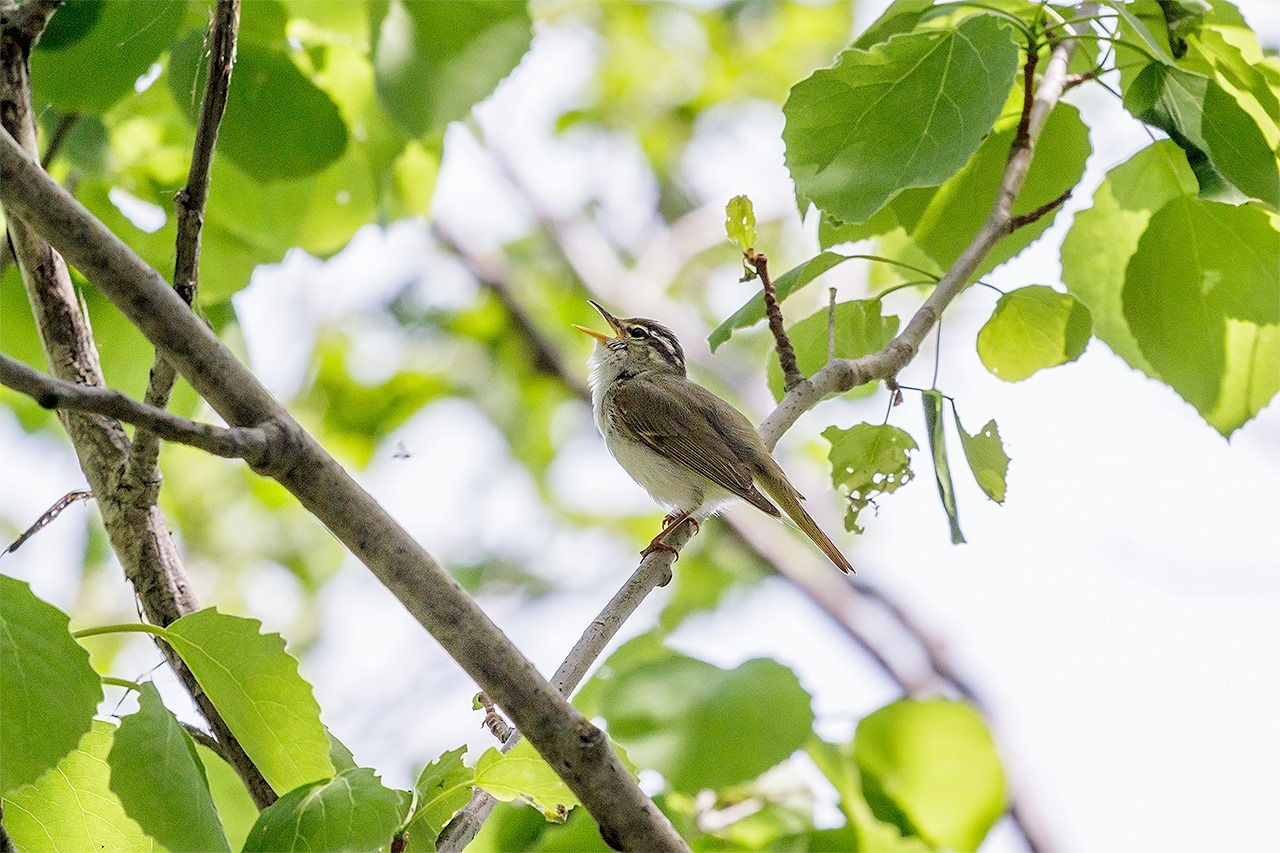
{"x":637,"y":332}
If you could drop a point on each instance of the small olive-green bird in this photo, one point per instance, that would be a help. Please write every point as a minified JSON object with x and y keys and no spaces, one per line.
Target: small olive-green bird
{"x":692,"y":451}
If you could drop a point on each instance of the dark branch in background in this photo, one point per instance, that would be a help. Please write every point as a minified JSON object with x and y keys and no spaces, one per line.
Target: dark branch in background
{"x":578,"y":751}
{"x":143,"y":473}
{"x":252,"y":444}
{"x":49,"y":515}
{"x":137,"y":529}
{"x":791,"y":375}
{"x":1023,"y":219}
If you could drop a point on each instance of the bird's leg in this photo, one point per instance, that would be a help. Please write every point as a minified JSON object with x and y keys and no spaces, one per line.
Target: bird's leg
{"x":670,"y":523}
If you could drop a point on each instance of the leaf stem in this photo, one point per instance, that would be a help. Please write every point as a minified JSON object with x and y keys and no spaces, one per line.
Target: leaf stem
{"x":122,"y":628}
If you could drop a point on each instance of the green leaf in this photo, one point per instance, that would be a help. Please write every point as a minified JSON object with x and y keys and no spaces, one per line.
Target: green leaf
{"x":93,"y":52}
{"x":72,"y":808}
{"x":255,"y":685}
{"x":1122,"y":206}
{"x":859,"y":330}
{"x":1033,"y":328}
{"x":705,"y":727}
{"x":987,"y":459}
{"x":902,"y":16}
{"x":443,"y":787}
{"x":154,"y":766}
{"x":266,"y":142}
{"x":906,"y":113}
{"x":236,"y":808}
{"x":464,"y":49}
{"x":1132,"y":23}
{"x":740,"y":222}
{"x":932,"y":401}
{"x":868,"y":460}
{"x":1182,"y":18}
{"x":931,"y":767}
{"x":523,"y":774}
{"x":50,"y":691}
{"x":1202,"y":297}
{"x":1223,"y":142}
{"x":838,"y":765}
{"x":352,"y":811}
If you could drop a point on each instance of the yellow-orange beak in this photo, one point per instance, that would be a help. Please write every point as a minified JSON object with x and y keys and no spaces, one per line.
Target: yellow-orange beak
{"x":608,"y":318}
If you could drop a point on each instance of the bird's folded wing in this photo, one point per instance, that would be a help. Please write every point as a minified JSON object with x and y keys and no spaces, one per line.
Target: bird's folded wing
{"x":679,"y":427}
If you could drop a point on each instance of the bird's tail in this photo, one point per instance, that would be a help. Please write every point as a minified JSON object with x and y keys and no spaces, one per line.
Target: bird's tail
{"x":788,"y":499}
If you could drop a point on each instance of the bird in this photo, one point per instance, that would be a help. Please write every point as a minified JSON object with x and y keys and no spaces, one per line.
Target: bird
{"x":693,"y":452}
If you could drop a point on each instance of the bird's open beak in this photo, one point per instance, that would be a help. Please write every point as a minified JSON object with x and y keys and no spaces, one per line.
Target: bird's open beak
{"x":608,"y":318}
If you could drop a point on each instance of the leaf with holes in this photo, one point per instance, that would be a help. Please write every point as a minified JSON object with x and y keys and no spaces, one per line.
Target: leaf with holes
{"x":986,"y":457}
{"x":740,"y":222}
{"x":868,"y":460}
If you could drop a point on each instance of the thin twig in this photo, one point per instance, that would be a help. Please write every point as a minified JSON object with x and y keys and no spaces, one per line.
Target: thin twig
{"x":831,"y":324}
{"x":189,"y":203}
{"x":49,"y":515}
{"x":206,"y":740}
{"x":252,"y":444}
{"x":1030,"y":216}
{"x":58,"y":137}
{"x":791,"y":375}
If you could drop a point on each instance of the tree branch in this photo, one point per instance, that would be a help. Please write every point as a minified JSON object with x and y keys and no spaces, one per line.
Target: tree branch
{"x":791,"y":375}
{"x":142,"y":473}
{"x":577,"y":750}
{"x":252,"y":444}
{"x":47,"y":517}
{"x":137,"y":529}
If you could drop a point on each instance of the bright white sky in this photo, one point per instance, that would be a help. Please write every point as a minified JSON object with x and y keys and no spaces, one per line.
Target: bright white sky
{"x":1119,"y":613}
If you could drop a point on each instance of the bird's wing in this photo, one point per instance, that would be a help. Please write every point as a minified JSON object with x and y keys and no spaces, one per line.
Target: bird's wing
{"x":681,"y":428}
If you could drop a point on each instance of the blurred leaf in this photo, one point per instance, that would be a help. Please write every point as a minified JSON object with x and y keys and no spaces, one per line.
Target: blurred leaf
{"x":931,"y":768}
{"x":72,"y":808}
{"x":986,"y":457}
{"x":1223,"y":143}
{"x":859,"y":330}
{"x":868,"y":460}
{"x":850,"y":146}
{"x":443,"y":787}
{"x":154,"y":767}
{"x":236,"y":809}
{"x":463,"y":48}
{"x":740,"y":222}
{"x":1033,"y":328}
{"x":1182,"y":18}
{"x":351,"y":812}
{"x":1204,"y":303}
{"x":522,"y":773}
{"x":266,"y":142}
{"x":1122,"y":206}
{"x":50,"y":691}
{"x":255,"y":685}
{"x":702,"y":726}
{"x":792,"y":280}
{"x":74,"y":48}
{"x":901,"y":16}
{"x":932,"y":400}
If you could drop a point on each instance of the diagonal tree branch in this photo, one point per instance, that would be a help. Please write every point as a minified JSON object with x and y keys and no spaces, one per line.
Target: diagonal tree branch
{"x":577,"y":750}
{"x":137,"y":529}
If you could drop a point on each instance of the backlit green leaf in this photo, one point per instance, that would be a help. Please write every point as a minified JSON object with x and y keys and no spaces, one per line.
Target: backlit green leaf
{"x":49,"y":690}
{"x":443,"y":787}
{"x":1033,"y":328}
{"x":1202,"y":296}
{"x":906,"y":113}
{"x":868,"y":460}
{"x":351,"y":812}
{"x":859,"y":330}
{"x":1122,"y":206}
{"x":434,"y":61}
{"x":154,"y":766}
{"x":986,"y":457}
{"x":72,"y":808}
{"x":740,"y":222}
{"x":705,"y":727}
{"x":236,"y":809}
{"x":255,"y":685}
{"x":932,"y":401}
{"x":931,"y":767}
{"x":523,"y":774}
